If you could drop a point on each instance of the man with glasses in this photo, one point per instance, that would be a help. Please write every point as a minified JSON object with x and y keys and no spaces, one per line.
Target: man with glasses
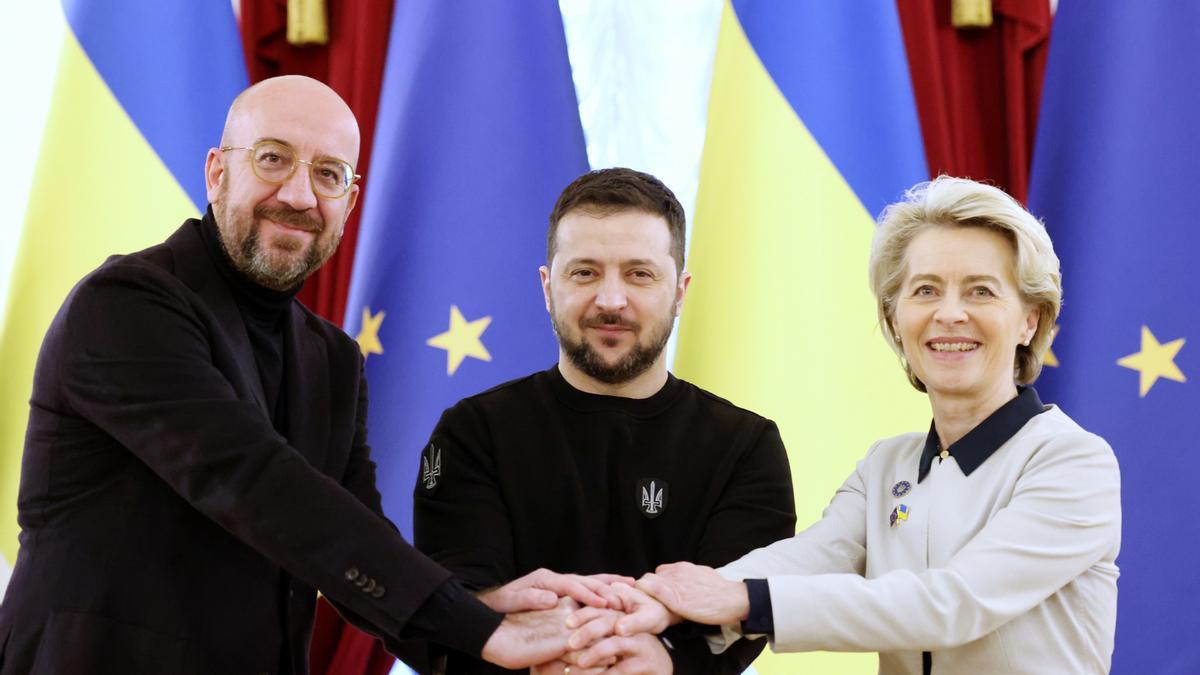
{"x":196,"y":461}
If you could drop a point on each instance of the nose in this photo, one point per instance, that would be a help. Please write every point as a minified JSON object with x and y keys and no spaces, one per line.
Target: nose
{"x":610,"y":296}
{"x":297,"y":190}
{"x":950,"y":311}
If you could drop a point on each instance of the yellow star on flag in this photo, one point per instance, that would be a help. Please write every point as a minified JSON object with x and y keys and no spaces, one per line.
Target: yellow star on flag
{"x":1050,"y":359}
{"x":368,"y":335}
{"x":462,"y":340}
{"x":1154,"y":361}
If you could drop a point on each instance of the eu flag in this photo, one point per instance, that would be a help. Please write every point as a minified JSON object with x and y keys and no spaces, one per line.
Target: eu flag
{"x":1115,"y":176}
{"x":478,"y":132}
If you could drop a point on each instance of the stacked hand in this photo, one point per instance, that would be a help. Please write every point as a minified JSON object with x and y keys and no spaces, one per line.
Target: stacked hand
{"x":615,"y":623}
{"x":537,"y":606}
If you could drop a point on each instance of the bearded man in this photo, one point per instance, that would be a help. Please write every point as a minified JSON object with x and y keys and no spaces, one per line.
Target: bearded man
{"x":196,"y":463}
{"x":605,"y":462}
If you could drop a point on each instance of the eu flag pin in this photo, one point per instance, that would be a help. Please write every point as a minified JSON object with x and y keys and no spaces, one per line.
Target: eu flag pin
{"x":900,"y":489}
{"x":899,"y":514}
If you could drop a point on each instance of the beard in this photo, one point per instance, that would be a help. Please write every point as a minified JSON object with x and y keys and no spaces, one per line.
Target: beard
{"x":640,"y":357}
{"x":285,"y":266}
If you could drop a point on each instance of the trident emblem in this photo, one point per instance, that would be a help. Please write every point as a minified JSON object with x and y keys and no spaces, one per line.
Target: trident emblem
{"x":431,"y":468}
{"x":652,"y":493}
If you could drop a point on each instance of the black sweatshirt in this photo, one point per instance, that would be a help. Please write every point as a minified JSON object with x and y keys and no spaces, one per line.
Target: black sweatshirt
{"x":535,"y":473}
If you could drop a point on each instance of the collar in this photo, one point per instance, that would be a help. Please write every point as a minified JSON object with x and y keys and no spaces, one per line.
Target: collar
{"x":995,"y":430}
{"x":637,"y":407}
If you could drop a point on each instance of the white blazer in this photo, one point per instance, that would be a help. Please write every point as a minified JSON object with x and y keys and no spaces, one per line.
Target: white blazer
{"x":1008,"y":570}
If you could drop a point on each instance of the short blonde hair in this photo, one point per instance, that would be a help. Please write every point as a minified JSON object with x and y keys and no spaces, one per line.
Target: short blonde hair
{"x":958,"y":202}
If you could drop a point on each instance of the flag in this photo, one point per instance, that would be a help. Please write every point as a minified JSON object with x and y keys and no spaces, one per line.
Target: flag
{"x":478,"y":132}
{"x":812,"y":130}
{"x":1116,"y":166}
{"x":140,"y":97}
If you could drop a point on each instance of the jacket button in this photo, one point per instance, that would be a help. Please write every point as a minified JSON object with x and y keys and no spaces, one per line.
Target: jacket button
{"x":370,"y":586}
{"x":379,"y":591}
{"x":362,"y":581}
{"x":352,"y":574}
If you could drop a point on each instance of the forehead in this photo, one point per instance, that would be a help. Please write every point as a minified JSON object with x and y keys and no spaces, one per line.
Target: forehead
{"x":621,"y":234}
{"x":953,"y":251}
{"x":313,"y":127}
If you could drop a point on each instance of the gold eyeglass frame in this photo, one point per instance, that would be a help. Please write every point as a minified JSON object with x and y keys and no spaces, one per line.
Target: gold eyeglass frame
{"x":295,"y":162}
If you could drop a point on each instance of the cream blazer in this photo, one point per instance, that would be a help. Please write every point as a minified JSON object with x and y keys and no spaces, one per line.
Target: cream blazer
{"x":1009,"y":570}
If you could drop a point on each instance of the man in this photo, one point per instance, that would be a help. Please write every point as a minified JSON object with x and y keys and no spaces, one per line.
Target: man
{"x":605,"y":462}
{"x":196,"y":461}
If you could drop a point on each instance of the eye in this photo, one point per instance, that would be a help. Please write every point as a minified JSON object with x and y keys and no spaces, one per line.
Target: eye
{"x":924,"y":291}
{"x":642,"y":275}
{"x":330,"y":172}
{"x":982,"y":292}
{"x":582,"y":274}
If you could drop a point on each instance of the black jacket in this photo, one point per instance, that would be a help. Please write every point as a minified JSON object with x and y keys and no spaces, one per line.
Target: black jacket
{"x":166,"y":526}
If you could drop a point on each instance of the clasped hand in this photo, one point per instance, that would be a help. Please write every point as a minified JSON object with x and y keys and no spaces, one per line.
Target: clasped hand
{"x":584,"y":625}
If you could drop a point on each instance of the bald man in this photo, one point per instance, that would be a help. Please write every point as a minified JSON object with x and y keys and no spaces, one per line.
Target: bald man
{"x":196,"y":462}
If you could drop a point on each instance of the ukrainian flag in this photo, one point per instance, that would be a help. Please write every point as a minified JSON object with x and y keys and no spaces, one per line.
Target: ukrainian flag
{"x":141,"y":94}
{"x":812,"y":130}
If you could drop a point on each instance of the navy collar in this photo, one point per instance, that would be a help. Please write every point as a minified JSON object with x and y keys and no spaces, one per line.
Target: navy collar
{"x":972,"y":450}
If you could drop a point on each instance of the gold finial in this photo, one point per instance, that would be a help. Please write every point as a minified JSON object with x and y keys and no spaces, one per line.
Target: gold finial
{"x":971,"y":13}
{"x":306,"y":23}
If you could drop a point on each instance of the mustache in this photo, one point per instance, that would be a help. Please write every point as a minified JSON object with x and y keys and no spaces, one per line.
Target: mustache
{"x":609,"y":319}
{"x":288,"y":216}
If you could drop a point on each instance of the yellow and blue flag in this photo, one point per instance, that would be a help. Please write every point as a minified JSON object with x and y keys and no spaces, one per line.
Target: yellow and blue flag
{"x":812,"y":130}
{"x":141,"y":94}
{"x":1116,"y":168}
{"x":478,"y":131}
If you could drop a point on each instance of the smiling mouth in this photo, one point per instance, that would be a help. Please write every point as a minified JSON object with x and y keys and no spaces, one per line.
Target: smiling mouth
{"x":292,"y":226}
{"x":953,"y":346}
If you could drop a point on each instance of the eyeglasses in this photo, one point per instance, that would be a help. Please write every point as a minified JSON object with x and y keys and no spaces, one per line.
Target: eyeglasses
{"x":274,"y":162}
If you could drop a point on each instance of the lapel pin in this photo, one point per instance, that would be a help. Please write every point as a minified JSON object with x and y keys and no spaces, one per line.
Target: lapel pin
{"x":899,"y":514}
{"x":900,"y":489}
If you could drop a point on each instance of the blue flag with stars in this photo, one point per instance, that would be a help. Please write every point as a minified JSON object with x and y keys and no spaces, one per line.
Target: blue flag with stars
{"x":478,"y":132}
{"x":1115,"y":177}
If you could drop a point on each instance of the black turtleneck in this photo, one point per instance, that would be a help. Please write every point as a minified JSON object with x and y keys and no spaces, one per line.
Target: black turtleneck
{"x":264,"y":311}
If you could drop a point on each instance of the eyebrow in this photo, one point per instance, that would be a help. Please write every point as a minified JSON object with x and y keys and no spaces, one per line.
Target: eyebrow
{"x":319,"y":155}
{"x":973,"y":278}
{"x":633,"y":262}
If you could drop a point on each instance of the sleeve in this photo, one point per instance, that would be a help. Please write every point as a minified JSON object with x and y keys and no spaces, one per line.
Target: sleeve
{"x":1063,"y":517}
{"x":755,"y":509}
{"x":460,"y":518}
{"x":138,"y":362}
{"x":837,"y":543}
{"x":450,"y":615}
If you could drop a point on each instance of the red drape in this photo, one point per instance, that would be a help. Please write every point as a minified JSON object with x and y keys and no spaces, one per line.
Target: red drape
{"x":352,"y":64}
{"x":978,"y":90}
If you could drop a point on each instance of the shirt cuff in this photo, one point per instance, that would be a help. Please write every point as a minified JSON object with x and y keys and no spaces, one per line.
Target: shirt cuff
{"x":760,"y":620}
{"x":453,"y":617}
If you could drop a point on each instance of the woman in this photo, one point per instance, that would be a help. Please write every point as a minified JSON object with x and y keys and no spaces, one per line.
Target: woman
{"x":986,"y":545}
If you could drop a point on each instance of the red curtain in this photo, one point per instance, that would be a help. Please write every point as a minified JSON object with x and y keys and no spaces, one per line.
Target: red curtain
{"x":978,"y":89}
{"x":352,"y":64}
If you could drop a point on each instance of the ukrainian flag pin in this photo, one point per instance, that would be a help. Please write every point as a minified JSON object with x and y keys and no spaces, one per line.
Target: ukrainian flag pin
{"x":899,"y":514}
